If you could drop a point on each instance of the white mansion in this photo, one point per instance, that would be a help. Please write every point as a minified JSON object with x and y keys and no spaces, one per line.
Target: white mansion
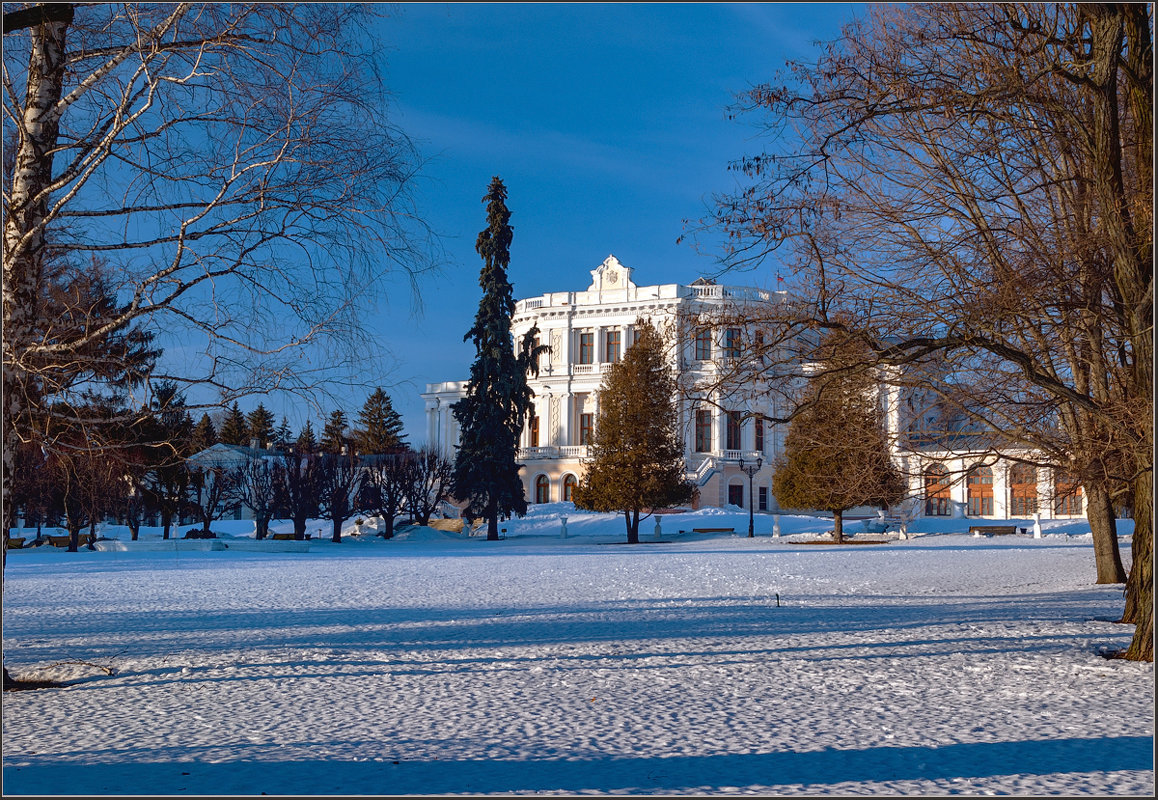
{"x":724,"y":430}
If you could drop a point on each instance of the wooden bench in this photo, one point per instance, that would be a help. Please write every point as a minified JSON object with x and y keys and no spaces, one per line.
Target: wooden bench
{"x":282,"y":537}
{"x":992,"y":530}
{"x":62,"y":541}
{"x":451,"y":525}
{"x":14,"y":543}
{"x":711,"y":530}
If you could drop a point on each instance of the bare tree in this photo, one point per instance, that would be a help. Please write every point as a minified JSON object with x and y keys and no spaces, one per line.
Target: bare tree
{"x":214,"y":490}
{"x":971,"y":180}
{"x":429,"y":483}
{"x":384,"y":491}
{"x":256,"y":481}
{"x":340,"y":479}
{"x":232,"y":166}
{"x":298,"y":486}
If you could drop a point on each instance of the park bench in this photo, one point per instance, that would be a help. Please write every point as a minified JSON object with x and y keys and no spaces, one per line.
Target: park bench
{"x":992,"y":530}
{"x":450,"y":525}
{"x":62,"y":541}
{"x":282,"y":537}
{"x":711,"y":530}
{"x":15,"y":543}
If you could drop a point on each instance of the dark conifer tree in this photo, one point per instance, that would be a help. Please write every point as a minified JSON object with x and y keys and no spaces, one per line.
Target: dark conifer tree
{"x":204,"y":435}
{"x":259,"y":423}
{"x":334,"y":437}
{"x":498,"y":398}
{"x":283,"y":437}
{"x":637,"y":453}
{"x":379,"y":426}
{"x":168,"y":478}
{"x":235,"y":428}
{"x":306,"y":442}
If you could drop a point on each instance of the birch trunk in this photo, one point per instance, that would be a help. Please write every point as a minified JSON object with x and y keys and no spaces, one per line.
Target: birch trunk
{"x":24,"y":230}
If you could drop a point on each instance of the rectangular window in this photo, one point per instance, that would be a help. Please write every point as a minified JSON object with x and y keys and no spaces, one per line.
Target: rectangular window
{"x":586,"y":428}
{"x":538,"y":358}
{"x":587,"y":348}
{"x":703,"y":431}
{"x":736,"y":495}
{"x":732,"y":343}
{"x":611,"y":346}
{"x":759,"y":423}
{"x":980,"y":505}
{"x":763,"y":498}
{"x":703,"y":344}
{"x":534,"y":430}
{"x":733,"y":431}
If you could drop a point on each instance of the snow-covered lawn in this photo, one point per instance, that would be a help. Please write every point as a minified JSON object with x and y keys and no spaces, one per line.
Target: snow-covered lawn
{"x":438,"y":664}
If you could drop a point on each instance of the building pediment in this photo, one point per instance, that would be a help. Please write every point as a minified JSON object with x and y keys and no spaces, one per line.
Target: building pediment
{"x":610,"y":275}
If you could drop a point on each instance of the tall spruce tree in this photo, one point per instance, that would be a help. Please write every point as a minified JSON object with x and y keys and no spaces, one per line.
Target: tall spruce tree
{"x":637,"y":453}
{"x":836,"y":453}
{"x":498,"y":398}
{"x":235,"y":428}
{"x":283,"y":437}
{"x":204,"y":435}
{"x":306,"y":442}
{"x":334,"y":438}
{"x":259,"y":423}
{"x":379,"y":426}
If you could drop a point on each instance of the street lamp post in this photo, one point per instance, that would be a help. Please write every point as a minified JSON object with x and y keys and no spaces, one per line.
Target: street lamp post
{"x":750,"y":470}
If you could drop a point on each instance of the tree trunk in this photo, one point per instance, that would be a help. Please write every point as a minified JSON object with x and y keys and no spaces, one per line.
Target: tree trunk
{"x":23,"y":221}
{"x":73,"y":534}
{"x":1140,"y":586}
{"x":492,"y":522}
{"x":632,"y":526}
{"x":166,"y":523}
{"x":838,"y":527}
{"x":1100,"y":513}
{"x":299,"y":527}
{"x":336,"y":537}
{"x":261,"y":527}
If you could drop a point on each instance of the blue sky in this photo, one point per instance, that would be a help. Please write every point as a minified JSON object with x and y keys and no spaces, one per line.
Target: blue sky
{"x":606,"y":122}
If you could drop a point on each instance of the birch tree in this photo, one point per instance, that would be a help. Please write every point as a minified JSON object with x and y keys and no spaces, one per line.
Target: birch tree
{"x":234,"y":167}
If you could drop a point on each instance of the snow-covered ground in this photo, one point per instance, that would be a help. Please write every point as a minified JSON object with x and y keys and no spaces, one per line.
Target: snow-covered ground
{"x":701,"y":664}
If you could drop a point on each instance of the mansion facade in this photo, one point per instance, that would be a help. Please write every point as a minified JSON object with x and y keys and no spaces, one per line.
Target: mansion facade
{"x":730,"y":444}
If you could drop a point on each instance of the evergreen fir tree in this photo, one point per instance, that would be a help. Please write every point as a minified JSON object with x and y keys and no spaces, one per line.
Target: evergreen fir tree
{"x":334,"y":433}
{"x":259,"y":423}
{"x":204,"y":435}
{"x":836,"y":453}
{"x":167,"y":480}
{"x":306,"y":442}
{"x":234,"y":429}
{"x":497,"y":400}
{"x":637,"y":452}
{"x":283,"y":437}
{"x":380,"y":426}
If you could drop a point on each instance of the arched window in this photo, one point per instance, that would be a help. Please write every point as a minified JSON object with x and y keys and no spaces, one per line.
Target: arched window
{"x":980,"y":491}
{"x":1022,"y":490}
{"x":936,"y":492}
{"x":569,"y":484}
{"x":542,"y":489}
{"x":1067,"y":495}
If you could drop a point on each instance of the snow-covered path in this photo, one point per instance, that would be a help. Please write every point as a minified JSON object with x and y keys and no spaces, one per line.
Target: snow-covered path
{"x":725,"y":665}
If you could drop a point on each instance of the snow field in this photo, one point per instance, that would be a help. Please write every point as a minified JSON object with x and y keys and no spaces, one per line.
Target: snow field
{"x":438,"y":665}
